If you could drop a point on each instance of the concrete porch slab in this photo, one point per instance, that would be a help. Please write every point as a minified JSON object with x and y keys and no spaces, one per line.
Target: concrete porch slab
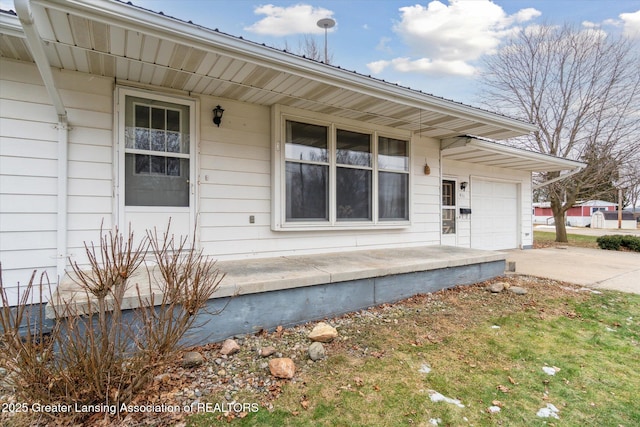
{"x":270,"y":274}
{"x":264,"y":293}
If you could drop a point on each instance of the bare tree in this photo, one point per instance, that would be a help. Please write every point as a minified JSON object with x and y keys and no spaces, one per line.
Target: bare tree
{"x":582,"y":88}
{"x":309,"y":48}
{"x":631,"y":183}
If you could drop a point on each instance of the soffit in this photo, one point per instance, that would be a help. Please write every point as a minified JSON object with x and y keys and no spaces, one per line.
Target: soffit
{"x":489,"y":153}
{"x":121,"y":41}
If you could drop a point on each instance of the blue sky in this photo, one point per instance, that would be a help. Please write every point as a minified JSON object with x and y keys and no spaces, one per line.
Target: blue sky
{"x":433,"y":46}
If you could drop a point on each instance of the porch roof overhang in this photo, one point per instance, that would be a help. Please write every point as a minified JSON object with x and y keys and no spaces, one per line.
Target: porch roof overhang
{"x":132,"y":44}
{"x":472,"y":149}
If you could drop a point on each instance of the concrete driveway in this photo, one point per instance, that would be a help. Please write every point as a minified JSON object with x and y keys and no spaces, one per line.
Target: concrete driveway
{"x":595,"y":268}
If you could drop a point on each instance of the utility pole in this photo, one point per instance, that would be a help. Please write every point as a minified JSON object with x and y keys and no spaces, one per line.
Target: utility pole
{"x":619,"y":207}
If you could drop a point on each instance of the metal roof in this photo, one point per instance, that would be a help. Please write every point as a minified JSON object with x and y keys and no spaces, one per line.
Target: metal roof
{"x":472,"y":149}
{"x":129,"y":43}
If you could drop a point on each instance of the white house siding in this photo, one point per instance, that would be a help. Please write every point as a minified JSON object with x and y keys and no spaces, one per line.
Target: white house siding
{"x":234,"y":171}
{"x":28,"y":167}
{"x":468,"y":172}
{"x":235,"y":183}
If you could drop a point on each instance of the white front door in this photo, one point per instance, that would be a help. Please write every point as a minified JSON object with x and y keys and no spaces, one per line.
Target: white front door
{"x":155,"y":163}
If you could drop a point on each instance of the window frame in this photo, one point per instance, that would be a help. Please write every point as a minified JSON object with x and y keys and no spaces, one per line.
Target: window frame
{"x":279,"y":222}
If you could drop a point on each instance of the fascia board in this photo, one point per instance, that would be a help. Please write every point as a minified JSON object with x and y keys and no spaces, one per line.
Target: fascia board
{"x":10,"y":25}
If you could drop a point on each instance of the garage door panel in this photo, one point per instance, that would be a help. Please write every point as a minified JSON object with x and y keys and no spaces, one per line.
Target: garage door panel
{"x":494,"y":219}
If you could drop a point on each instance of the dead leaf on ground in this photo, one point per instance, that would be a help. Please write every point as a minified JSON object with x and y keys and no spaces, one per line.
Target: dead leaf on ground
{"x":497,"y":403}
{"x":512,"y":381}
{"x":503,"y":388}
{"x":304,"y":402}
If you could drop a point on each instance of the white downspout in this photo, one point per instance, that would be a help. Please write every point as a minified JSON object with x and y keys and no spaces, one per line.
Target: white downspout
{"x":23,"y":9}
{"x":63,"y":173}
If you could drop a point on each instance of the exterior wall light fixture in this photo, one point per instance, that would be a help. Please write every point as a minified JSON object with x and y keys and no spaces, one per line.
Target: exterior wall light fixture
{"x":463,"y":185}
{"x":217,"y":115}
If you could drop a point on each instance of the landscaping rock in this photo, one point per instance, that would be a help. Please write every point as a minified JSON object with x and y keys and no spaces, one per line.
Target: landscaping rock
{"x":316,"y":351}
{"x":282,"y":367}
{"x":518,"y":290}
{"x":496,"y":288}
{"x":323,"y":333}
{"x":550,"y":411}
{"x":229,"y":347}
{"x":192,"y":359}
{"x":267,"y":351}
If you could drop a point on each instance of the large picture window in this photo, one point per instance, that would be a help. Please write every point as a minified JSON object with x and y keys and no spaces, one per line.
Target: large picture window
{"x":342,"y":177}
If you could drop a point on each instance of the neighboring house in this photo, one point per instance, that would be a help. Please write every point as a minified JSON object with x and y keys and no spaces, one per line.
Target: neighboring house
{"x":107,"y":118}
{"x":579,"y":215}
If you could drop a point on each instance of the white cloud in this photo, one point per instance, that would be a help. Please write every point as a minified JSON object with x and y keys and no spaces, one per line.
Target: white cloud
{"x":445,"y":39}
{"x":377,"y":67}
{"x":631,"y":24}
{"x":283,"y":21}
{"x":436,"y":66}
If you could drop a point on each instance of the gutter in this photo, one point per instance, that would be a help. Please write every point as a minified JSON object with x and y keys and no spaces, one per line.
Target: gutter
{"x":29,"y":26}
{"x":560,"y":178}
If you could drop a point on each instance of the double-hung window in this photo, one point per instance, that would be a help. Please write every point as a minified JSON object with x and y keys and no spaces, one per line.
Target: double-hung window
{"x":307,"y":170}
{"x":336,"y":176}
{"x":354,"y":173}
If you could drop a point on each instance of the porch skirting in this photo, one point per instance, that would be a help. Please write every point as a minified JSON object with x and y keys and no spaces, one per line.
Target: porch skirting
{"x":264,"y":293}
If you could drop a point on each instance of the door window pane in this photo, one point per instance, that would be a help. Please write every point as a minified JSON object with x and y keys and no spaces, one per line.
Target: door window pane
{"x":448,"y":193}
{"x":393,"y":196}
{"x":145,"y":185}
{"x":307,"y":192}
{"x":142,"y":116}
{"x":448,"y":221}
{"x":158,"y":118}
{"x":353,"y":188}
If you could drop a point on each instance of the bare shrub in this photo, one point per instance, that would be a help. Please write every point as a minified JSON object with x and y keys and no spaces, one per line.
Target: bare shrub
{"x":96,"y":352}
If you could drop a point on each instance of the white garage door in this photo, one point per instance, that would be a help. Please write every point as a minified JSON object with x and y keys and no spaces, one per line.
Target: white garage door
{"x":494,"y":217}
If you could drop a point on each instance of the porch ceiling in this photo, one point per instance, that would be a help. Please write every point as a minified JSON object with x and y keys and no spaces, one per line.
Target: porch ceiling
{"x":128,"y":43}
{"x":489,"y":153}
